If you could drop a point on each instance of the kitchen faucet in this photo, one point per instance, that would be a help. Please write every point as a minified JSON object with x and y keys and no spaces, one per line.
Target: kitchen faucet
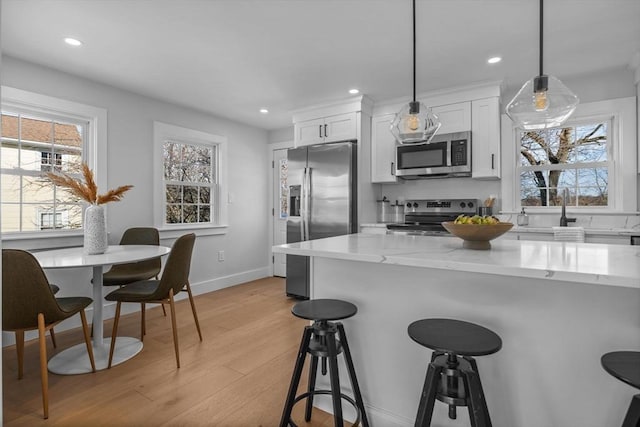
{"x":564,"y":221}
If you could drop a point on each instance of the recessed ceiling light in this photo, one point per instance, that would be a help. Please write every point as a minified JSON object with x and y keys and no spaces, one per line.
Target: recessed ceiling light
{"x":72,"y":42}
{"x":264,"y":110}
{"x":353,"y":91}
{"x":494,"y":60}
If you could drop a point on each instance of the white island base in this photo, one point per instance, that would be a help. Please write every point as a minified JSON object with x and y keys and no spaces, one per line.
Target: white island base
{"x":547,"y":374}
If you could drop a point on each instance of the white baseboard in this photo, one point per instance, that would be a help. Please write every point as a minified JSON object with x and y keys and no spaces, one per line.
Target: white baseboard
{"x":377,"y":417}
{"x":109,"y":308}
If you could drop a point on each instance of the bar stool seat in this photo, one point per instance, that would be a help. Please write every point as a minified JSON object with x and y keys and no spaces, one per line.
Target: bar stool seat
{"x":324,"y":309}
{"x":452,"y":376}
{"x":321,"y":342}
{"x":625,"y":366}
{"x":455,"y":336}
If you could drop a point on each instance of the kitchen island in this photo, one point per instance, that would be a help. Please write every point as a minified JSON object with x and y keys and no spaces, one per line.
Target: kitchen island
{"x":557,"y":306}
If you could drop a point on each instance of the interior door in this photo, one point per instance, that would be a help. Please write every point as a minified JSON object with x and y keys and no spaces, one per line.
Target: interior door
{"x":280,"y":209}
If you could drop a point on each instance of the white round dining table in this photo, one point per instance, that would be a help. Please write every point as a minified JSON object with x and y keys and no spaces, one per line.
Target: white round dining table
{"x":75,"y":360}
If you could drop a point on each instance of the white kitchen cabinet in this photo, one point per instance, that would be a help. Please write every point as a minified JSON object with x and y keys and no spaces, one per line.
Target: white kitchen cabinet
{"x":340,"y":127}
{"x":454,"y":117}
{"x":485,"y":137}
{"x":383,"y":150}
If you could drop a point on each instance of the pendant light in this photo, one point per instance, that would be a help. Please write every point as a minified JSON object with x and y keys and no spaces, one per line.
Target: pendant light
{"x":415,"y":122}
{"x":542,"y":102}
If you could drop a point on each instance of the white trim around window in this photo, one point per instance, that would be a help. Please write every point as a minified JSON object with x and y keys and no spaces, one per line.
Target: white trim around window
{"x":163,"y":132}
{"x":623,"y":190}
{"x":94,"y":154}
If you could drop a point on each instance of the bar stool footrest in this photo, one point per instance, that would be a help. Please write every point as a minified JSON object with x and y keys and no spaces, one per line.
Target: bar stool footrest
{"x":308,"y":394}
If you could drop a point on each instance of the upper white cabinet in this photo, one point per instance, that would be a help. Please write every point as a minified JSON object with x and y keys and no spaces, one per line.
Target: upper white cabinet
{"x":338,"y":127}
{"x":454,"y":117}
{"x":485,"y":138}
{"x":383,"y":149}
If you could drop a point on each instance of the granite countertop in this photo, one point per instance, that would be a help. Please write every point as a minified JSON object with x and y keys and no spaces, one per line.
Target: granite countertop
{"x":588,"y":263}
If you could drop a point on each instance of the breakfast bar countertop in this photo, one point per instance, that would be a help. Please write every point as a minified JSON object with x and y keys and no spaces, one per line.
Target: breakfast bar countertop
{"x":588,"y":263}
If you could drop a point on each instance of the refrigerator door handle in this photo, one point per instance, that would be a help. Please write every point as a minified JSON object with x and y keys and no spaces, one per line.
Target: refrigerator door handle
{"x":303,"y":206}
{"x":307,"y":200}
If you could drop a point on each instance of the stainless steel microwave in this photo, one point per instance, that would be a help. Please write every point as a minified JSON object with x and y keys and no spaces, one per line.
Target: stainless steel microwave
{"x":447,"y":155}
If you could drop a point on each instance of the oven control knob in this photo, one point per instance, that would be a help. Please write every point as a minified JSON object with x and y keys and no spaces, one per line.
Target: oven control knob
{"x":463,"y":205}
{"x":415,"y":205}
{"x":408,"y":205}
{"x":470,"y":204}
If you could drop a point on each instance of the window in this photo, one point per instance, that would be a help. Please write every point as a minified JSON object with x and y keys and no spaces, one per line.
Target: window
{"x":190,"y":179}
{"x":593,"y":155}
{"x":570,"y":157}
{"x":50,"y":162}
{"x":52,"y":220}
{"x":41,"y":134}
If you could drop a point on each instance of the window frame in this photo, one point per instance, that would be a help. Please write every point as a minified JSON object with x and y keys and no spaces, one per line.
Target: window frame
{"x":622,"y":149}
{"x":164,"y":132}
{"x":94,"y":152}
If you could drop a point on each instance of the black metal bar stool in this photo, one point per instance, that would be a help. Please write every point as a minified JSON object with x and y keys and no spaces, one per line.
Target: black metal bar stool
{"x":452,"y":376}
{"x":319,"y":340}
{"x":625,"y":366}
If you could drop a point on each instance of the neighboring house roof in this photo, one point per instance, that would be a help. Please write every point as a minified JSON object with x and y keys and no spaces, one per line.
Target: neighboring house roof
{"x":34,"y":130}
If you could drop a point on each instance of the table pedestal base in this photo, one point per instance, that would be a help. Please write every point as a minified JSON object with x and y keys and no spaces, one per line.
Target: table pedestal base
{"x":75,"y":360}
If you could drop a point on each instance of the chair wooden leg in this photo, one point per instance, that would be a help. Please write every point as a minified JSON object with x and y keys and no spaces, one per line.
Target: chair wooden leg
{"x":20,"y":350}
{"x":53,"y":338}
{"x":114,"y":333}
{"x":143,"y":326}
{"x":44,"y":375}
{"x":87,"y":339}
{"x":174,"y":327}
{"x":193,"y":309}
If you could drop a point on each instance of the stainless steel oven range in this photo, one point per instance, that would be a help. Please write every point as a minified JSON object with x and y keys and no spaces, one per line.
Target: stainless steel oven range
{"x":424,"y":217}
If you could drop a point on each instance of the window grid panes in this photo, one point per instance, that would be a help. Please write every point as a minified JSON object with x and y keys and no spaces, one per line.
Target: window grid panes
{"x":576,"y":158}
{"x":189,"y":183}
{"x":32,"y":145}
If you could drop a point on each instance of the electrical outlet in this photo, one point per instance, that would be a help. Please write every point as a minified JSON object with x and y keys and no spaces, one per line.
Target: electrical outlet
{"x":220,"y":256}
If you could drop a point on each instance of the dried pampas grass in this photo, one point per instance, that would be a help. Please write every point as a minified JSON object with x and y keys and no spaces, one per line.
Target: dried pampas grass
{"x":88,"y":190}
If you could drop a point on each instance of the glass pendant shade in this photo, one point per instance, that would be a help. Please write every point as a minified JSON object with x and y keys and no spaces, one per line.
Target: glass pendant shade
{"x":542,"y":102}
{"x":414,"y":123}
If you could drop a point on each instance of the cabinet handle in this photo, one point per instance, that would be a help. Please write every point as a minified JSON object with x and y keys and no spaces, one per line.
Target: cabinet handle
{"x":325,"y":130}
{"x":393,"y":170}
{"x":320,"y":131}
{"x":492,"y":157}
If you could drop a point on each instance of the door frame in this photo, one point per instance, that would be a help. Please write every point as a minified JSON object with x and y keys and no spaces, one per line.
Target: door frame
{"x":271,"y":148}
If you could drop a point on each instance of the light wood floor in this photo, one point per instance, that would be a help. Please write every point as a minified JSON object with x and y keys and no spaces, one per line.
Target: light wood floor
{"x":238,"y":376}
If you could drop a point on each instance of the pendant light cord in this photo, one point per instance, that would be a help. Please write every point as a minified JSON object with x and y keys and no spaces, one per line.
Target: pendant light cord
{"x":414,"y":50}
{"x":541,"y":19}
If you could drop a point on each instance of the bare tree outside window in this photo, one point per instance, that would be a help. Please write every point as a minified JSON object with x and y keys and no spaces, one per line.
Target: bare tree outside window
{"x":189,"y":180}
{"x":572,"y":157}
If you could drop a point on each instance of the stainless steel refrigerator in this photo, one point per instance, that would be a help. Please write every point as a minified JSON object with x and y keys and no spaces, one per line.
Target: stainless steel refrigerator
{"x":322,"y":182}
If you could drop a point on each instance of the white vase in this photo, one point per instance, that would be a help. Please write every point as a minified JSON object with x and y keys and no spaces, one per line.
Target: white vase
{"x":95,"y":230}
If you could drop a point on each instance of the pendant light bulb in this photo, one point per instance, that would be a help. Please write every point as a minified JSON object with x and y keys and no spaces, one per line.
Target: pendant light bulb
{"x":540,"y":100}
{"x":415,"y":122}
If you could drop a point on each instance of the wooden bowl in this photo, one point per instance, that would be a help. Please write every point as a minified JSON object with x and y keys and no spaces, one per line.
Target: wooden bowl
{"x":477,"y":236}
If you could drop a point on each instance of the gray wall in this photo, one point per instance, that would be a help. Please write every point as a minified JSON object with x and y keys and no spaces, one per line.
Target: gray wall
{"x":130,"y":145}
{"x":281,"y":135}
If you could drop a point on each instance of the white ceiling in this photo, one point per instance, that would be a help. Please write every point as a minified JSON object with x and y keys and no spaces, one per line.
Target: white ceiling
{"x":233,"y":57}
